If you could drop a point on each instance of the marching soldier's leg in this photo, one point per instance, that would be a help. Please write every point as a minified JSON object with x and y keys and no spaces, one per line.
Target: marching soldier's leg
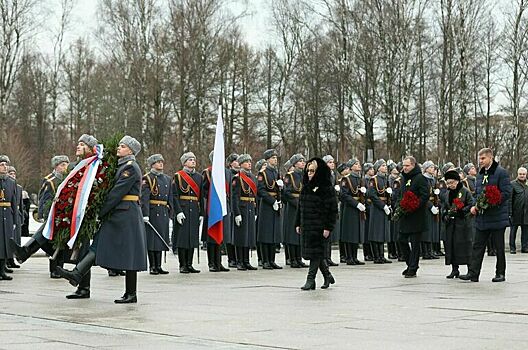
{"x":81,"y":269}
{"x":130,"y":295}
{"x":3,"y":275}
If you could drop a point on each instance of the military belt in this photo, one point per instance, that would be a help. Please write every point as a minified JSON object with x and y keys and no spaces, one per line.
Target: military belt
{"x":273,"y":194}
{"x":295,"y":195}
{"x":5,"y":204}
{"x":381,"y":199}
{"x":356,"y":198}
{"x":247,"y":199}
{"x":130,"y":198}
{"x":432,"y":198}
{"x":155,"y":202}
{"x":188,"y":198}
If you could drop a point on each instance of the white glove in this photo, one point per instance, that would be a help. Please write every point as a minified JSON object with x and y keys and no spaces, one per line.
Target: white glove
{"x":437,"y":191}
{"x":146,"y":219}
{"x":280,"y":183}
{"x":276,"y":206}
{"x":363,"y":190}
{"x":337,"y":188}
{"x":238,"y":220}
{"x":434,"y":210}
{"x":389,"y":190}
{"x":386,"y":209}
{"x":180,"y":217}
{"x":361,"y":207}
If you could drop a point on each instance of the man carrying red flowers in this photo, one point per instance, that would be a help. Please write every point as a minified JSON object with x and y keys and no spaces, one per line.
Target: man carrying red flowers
{"x":415,"y":190}
{"x":491,"y":212}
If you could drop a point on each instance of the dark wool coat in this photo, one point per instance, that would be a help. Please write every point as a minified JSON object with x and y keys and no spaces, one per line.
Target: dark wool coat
{"x":122,"y":243}
{"x":519,"y":203}
{"x":432,"y":233}
{"x":395,"y":184}
{"x":156,"y":203}
{"x":495,"y":218}
{"x":352,"y":221}
{"x":244,"y":204}
{"x":458,"y":242}
{"x":8,"y":215}
{"x":269,"y":224}
{"x":317,"y":210}
{"x":417,"y":183}
{"x":46,"y":194}
{"x":187,"y":235}
{"x":379,"y":223}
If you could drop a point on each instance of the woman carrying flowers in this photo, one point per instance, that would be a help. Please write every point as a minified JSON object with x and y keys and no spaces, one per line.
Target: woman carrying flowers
{"x":456,"y":204}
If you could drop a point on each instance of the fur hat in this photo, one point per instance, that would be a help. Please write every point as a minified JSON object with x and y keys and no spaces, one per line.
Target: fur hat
{"x":379,"y":163}
{"x":89,"y":140}
{"x":11,"y":169}
{"x":154,"y":159}
{"x":4,"y":158}
{"x":186,"y":156}
{"x":328,"y":158}
{"x":244,"y":158}
{"x":367,"y":167}
{"x":447,"y":166}
{"x":322,"y":176}
{"x":231,"y":158}
{"x":452,"y":175}
{"x":351,"y":162}
{"x":131,"y":143}
{"x":468,"y":167}
{"x":342,"y":167}
{"x":288,"y":165}
{"x":259,"y":164}
{"x":270,"y":153}
{"x":59,"y":159}
{"x":296,"y":158}
{"x":426,"y":165}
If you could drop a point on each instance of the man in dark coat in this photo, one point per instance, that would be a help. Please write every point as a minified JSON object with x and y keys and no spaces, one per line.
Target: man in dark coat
{"x":45,"y":197}
{"x":316,"y":218}
{"x":378,"y":194}
{"x":186,"y":190}
{"x":291,"y":194}
{"x":120,"y":243}
{"x":244,"y":209}
{"x":413,"y":224}
{"x":493,"y":221}
{"x":353,"y":216}
{"x":270,"y":210}
{"x":8,"y":215}
{"x":11,"y":171}
{"x":156,"y":206}
{"x":394,"y":183}
{"x":231,"y":171}
{"x":519,"y":211}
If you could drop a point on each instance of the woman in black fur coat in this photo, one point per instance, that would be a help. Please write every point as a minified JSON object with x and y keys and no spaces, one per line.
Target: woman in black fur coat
{"x":316,"y":218}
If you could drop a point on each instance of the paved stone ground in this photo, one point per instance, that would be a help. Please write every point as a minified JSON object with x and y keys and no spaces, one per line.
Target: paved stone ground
{"x":370,"y":307}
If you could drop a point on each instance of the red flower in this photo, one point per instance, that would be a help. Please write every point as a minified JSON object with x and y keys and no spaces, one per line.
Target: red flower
{"x":408,"y":204}
{"x":458,"y":204}
{"x":493,"y":195}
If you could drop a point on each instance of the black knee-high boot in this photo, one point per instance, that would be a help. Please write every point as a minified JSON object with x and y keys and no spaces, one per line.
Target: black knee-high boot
{"x":247,"y":264}
{"x":342,"y":252}
{"x":294,"y":259}
{"x":152,"y":263}
{"x":367,"y":252}
{"x":259,"y":254}
{"x":349,"y":254}
{"x":211,"y":258}
{"x":355,"y":247}
{"x":298,"y":252}
{"x":190,"y":255}
{"x":328,"y":278}
{"x":287,"y":254}
{"x":312,"y":272}
{"x":182,"y":259}
{"x":241,"y":266}
{"x":231,"y":255}
{"x":130,"y":295}
{"x":3,"y":275}
{"x":157,"y":258}
{"x":83,"y":266}
{"x":218,"y":259}
{"x":265,"y":256}
{"x":272,"y":252}
{"x":329,"y":255}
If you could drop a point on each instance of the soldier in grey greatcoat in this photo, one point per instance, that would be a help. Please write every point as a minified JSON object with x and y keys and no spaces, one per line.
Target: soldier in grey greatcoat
{"x":45,"y":197}
{"x":368,"y":171}
{"x":432,"y":234}
{"x":353,"y":212}
{"x":244,"y":210}
{"x":335,"y":234}
{"x":156,"y":205}
{"x":291,"y":193}
{"x":120,"y":243}
{"x":186,"y":191}
{"x":379,"y":195}
{"x":394,"y":183}
{"x":229,"y":223}
{"x":8,"y":215}
{"x":270,"y":210}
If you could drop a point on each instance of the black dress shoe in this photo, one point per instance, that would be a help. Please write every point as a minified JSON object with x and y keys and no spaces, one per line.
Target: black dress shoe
{"x":288,"y":262}
{"x":241,"y":267}
{"x":434,"y":257}
{"x":331,"y":263}
{"x":524,"y":250}
{"x":127,"y":299}
{"x":393,"y":257}
{"x":214,"y":269}
{"x":232,"y":264}
{"x":161,"y":271}
{"x":468,"y":277}
{"x":401,"y":259}
{"x":11,"y":264}
{"x":385,"y":261}
{"x":121,"y":273}
{"x":404,"y":272}
{"x":359,"y":262}
{"x":498,"y":278}
{"x":378,"y":261}
{"x":453,"y":274}
{"x":54,"y":275}
{"x":410,"y":274}
{"x":275,"y":266}
{"x":112,"y":273}
{"x":153,"y":271}
{"x":492,"y":253}
{"x":440,"y":253}
{"x":80,"y":293}
{"x":301,"y":264}
{"x":309,"y":285}
{"x":295,"y":265}
{"x":249,"y":267}
{"x":513,"y":252}
{"x":7,"y":270}
{"x":184,"y":269}
{"x":267,"y":266}
{"x":222,"y":268}
{"x":351,"y":262}
{"x":368,"y":258}
{"x":343,"y":260}
{"x":192,"y":269}
{"x":5,"y":277}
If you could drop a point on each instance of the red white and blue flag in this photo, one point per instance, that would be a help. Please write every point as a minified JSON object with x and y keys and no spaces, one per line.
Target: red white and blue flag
{"x":217,"y":207}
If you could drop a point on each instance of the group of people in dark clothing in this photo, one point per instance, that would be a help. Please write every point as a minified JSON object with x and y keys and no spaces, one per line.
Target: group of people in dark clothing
{"x":311,"y":206}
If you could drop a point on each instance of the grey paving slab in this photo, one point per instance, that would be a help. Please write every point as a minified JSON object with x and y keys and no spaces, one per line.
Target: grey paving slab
{"x":370,"y":307}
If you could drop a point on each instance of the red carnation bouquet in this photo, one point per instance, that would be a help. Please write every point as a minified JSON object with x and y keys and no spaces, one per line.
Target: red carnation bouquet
{"x":490,"y":197}
{"x":457,"y":206}
{"x":408,"y":204}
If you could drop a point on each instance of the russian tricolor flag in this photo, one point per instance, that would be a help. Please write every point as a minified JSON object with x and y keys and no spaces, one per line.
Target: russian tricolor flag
{"x":217,"y":207}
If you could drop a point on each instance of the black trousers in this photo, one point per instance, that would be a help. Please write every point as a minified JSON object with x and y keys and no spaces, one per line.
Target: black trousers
{"x":479,"y":248}
{"x":412,"y":252}
{"x":524,"y":237}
